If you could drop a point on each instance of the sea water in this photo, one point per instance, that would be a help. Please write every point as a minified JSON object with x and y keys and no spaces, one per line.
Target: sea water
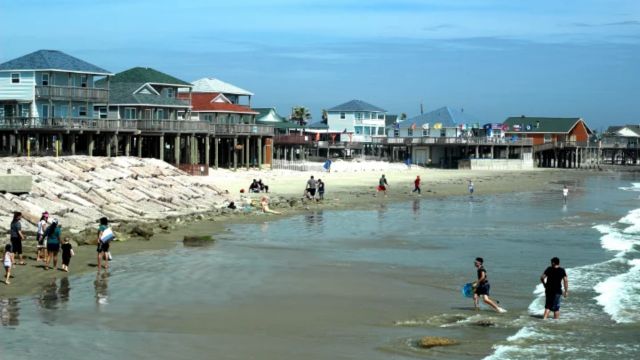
{"x":361,"y":284}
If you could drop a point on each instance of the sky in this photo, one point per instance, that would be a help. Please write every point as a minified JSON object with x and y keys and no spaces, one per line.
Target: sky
{"x":492,"y":58}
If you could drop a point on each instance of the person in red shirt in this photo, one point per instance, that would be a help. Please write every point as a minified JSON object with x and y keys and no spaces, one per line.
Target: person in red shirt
{"x":416,"y":185}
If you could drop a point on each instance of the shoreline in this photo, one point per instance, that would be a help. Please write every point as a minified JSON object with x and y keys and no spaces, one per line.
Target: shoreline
{"x":168,"y":233}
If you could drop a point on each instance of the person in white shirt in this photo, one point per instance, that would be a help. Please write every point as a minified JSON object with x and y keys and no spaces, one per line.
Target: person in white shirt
{"x":565,"y":193}
{"x":41,"y":249}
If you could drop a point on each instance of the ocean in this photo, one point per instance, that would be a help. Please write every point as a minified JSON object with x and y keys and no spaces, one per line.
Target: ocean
{"x":361,"y":284}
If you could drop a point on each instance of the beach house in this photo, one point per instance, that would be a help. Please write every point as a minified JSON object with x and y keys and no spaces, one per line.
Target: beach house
{"x":227,"y":108}
{"x":355,"y":124}
{"x":558,"y":142}
{"x":146,"y":94}
{"x":620,"y":144}
{"x":50,"y":84}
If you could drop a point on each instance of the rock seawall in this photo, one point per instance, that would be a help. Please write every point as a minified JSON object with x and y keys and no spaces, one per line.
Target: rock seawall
{"x":78,"y":190}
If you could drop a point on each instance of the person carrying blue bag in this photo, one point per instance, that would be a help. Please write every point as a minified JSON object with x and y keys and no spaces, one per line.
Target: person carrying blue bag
{"x":105,"y":236}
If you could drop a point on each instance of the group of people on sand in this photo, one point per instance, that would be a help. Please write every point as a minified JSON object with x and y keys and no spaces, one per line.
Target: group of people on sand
{"x":258,"y":186}
{"x":49,"y":244}
{"x":314,"y":189}
{"x":554,"y":279}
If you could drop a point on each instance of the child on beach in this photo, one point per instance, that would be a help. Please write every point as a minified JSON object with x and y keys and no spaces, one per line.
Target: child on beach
{"x":565,"y":194}
{"x":8,"y":263}
{"x":320,"y":190}
{"x":382,"y":185}
{"x":264,"y":205}
{"x":470,"y":186}
{"x":67,"y":253}
{"x":416,"y":185}
{"x":482,"y":287}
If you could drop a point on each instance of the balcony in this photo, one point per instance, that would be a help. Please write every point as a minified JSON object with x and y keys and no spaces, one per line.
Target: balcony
{"x":469,"y":141}
{"x":70,"y":93}
{"x":148,"y":126}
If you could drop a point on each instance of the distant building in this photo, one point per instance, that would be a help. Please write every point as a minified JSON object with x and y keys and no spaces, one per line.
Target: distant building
{"x":624,"y":136}
{"x":357,"y":121}
{"x":547,"y":130}
{"x":235,"y":95}
{"x":216,"y":108}
{"x":50,"y":84}
{"x":442,"y":122}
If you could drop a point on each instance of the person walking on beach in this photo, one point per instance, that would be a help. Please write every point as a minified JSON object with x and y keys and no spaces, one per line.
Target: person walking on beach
{"x":8,"y":263}
{"x":17,"y":237}
{"x":416,"y":185}
{"x":320,"y":189}
{"x":382,"y":185}
{"x":310,"y":190}
{"x":565,"y":194}
{"x":41,"y":251}
{"x":105,"y":235}
{"x":482,"y":288}
{"x":67,"y":253}
{"x":53,"y":244}
{"x":470,"y":187}
{"x":553,"y":279}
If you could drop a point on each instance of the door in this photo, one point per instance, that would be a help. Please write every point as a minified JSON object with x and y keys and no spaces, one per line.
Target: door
{"x":45,"y":111}
{"x":147,"y":114}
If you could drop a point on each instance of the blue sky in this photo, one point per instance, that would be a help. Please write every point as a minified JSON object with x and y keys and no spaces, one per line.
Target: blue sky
{"x":494,"y":58}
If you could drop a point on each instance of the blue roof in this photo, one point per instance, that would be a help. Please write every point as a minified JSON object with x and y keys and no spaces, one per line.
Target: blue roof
{"x":52,"y":60}
{"x":357,"y":105}
{"x":447,"y":116}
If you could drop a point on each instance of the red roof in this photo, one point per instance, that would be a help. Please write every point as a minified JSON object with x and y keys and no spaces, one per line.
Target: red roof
{"x":203,"y":102}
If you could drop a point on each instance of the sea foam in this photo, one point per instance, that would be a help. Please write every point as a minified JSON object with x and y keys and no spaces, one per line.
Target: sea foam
{"x":620,"y":294}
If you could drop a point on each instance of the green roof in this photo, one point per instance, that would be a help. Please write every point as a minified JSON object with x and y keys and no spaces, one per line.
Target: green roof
{"x":124,"y":93}
{"x":142,"y":75}
{"x":528,"y":124}
{"x":263,"y":116}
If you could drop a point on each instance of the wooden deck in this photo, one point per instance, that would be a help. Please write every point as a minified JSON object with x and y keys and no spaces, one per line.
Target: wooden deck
{"x":150,"y":127}
{"x":473,"y":141}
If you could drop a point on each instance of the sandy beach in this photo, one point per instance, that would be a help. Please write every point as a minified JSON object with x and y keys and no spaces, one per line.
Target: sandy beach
{"x":344,"y":190}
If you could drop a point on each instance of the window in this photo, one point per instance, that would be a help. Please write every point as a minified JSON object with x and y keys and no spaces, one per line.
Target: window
{"x":380,"y":130}
{"x":358,"y":116}
{"x":83,"y":80}
{"x":208,"y":117}
{"x":547,"y":138}
{"x":409,"y":132}
{"x":129,"y":113}
{"x":159,"y":114}
{"x":102,"y":113}
{"x":367,"y":116}
{"x":358,"y":130}
{"x":82,"y":111}
{"x":367,"y":130}
{"x":45,"y":111}
{"x":45,"y":80}
{"x":380,"y":116}
{"x":396,"y":132}
{"x":443,"y":133}
{"x":170,"y":93}
{"x":342,"y":115}
{"x":425,"y":132}
{"x":24,"y":110}
{"x":15,"y":78}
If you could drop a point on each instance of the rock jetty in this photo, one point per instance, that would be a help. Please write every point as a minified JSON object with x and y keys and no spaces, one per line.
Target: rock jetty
{"x":78,"y":190}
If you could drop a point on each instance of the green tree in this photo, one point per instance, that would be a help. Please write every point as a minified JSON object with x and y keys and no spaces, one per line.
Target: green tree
{"x":300,"y":114}
{"x":325,"y":116}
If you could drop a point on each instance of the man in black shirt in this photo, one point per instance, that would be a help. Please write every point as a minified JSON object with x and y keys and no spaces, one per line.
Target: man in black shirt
{"x":552,"y":279}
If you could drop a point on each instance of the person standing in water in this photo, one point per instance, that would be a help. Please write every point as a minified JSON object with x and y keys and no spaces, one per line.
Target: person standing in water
{"x":553,"y":279}
{"x":482,"y":287}
{"x":565,"y":194}
{"x":416,"y":185}
{"x":470,"y":187}
{"x":7,"y":260}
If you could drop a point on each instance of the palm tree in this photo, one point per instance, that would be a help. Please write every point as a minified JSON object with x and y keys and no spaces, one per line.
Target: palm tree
{"x":325,"y":116}
{"x":403,"y":116}
{"x":300,"y":114}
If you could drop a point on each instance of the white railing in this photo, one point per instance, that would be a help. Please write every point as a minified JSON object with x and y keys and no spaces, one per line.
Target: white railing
{"x":296,"y":165}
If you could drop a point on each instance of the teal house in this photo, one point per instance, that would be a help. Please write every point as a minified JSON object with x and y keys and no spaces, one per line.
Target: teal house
{"x":49,"y":84}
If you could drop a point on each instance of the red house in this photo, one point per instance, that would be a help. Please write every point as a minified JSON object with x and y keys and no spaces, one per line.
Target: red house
{"x":547,"y":130}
